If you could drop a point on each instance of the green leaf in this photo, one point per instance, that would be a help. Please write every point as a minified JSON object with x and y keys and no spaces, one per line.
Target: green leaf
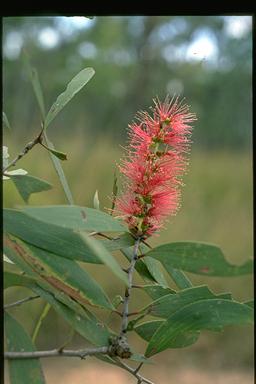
{"x":21,"y":371}
{"x":227,"y":296}
{"x":60,"y":155}
{"x":5,"y":156}
{"x":114,"y":192}
{"x":168,"y":304}
{"x":154,"y":267}
{"x":124,"y":240}
{"x":75,"y":217}
{"x":157,"y":291}
{"x":146,"y":331}
{"x":250,"y":303}
{"x":78,"y":283}
{"x":6,"y":259}
{"x":16,"y":172}
{"x":19,"y":252}
{"x":133,"y":322}
{"x":26,"y":185}
{"x":39,"y":322}
{"x":117,"y":300}
{"x":34,"y":78}
{"x":106,"y":257}
{"x":180,"y":279}
{"x":59,"y":170}
{"x":63,"y":274}
{"x":199,"y":258}
{"x":59,"y":240}
{"x":6,"y":123}
{"x":140,"y":266}
{"x":86,"y":325}
{"x":203,"y":314}
{"x":75,"y":85}
{"x":96,"y":202}
{"x":14,"y":279}
{"x":140,"y":358}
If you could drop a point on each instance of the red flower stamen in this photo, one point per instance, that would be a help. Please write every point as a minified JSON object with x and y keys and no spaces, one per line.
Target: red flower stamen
{"x":155,"y":161}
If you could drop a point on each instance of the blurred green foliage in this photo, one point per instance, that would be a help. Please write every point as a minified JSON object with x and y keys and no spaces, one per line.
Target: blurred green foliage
{"x":135,"y":58}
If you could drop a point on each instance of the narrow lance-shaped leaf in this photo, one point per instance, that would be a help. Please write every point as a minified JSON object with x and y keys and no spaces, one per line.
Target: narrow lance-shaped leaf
{"x":199,"y":258}
{"x":179,"y":277}
{"x":42,"y":316}
{"x":26,"y":185}
{"x":21,"y":255}
{"x":21,"y":371}
{"x":6,"y":123}
{"x":156,"y":291}
{"x":14,"y":279}
{"x":68,"y":276}
{"x":34,"y":78}
{"x":58,"y":154}
{"x":59,"y":170}
{"x":96,"y":202}
{"x":118,"y":242}
{"x":105,"y":256}
{"x":74,"y":86}
{"x":250,"y":303}
{"x":55,"y":155}
{"x":168,"y":304}
{"x":88,"y":326}
{"x":114,"y":193}
{"x":59,"y":240}
{"x":76,"y":217}
{"x":7,"y":260}
{"x":63,"y":274}
{"x":154,"y":267}
{"x":203,"y":314}
{"x":146,"y":331}
{"x":140,"y":266}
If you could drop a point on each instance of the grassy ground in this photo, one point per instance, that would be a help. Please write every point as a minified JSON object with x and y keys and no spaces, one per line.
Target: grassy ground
{"x":216,"y":208}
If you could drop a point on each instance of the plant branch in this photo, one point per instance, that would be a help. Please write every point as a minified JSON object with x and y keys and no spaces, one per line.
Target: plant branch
{"x":128,"y":289}
{"x":21,"y":301}
{"x":26,"y":149}
{"x":138,"y":368}
{"x":134,"y":372}
{"x":82,"y":353}
{"x":120,"y":346}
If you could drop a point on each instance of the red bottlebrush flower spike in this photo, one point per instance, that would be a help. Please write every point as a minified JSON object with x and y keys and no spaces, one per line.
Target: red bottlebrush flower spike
{"x":153,"y":166}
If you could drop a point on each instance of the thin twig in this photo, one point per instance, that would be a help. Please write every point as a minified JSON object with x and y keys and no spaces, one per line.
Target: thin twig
{"x":82,"y":353}
{"x":128,"y":289}
{"x":120,"y":346}
{"x":137,"y":286}
{"x":103,"y":235}
{"x":26,"y":149}
{"x":133,"y":313}
{"x":140,"y":378}
{"x":138,"y":368}
{"x":21,"y":301}
{"x":147,"y":244}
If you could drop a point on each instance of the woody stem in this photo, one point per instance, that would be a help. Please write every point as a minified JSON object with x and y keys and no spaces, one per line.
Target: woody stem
{"x":25,"y":150}
{"x":128,"y":289}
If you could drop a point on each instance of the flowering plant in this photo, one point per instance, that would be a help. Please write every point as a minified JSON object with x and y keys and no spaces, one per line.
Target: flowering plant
{"x":154,"y":165}
{"x":45,"y":244}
